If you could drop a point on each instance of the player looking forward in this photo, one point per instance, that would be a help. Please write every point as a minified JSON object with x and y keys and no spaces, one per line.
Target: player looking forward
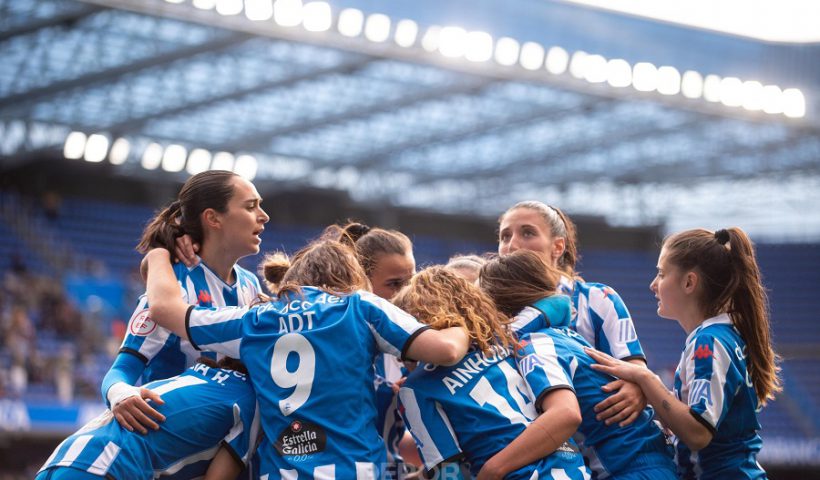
{"x":599,"y":314}
{"x":222,"y":213}
{"x":310,"y":353}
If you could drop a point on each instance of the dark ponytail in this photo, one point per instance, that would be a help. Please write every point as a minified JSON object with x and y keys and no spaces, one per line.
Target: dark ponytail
{"x":730,"y":282}
{"x":370,"y":243}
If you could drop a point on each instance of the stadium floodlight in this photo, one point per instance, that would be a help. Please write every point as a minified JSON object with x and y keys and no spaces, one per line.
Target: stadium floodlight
{"x":74,"y":145}
{"x":228,"y":7}
{"x":222,"y":161}
{"x":731,"y":93}
{"x":691,"y":84}
{"x":245,"y":166}
{"x":317,"y":16}
{"x":772,"y":99}
{"x":578,"y":64}
{"x":644,"y":77}
{"x":96,"y":148}
{"x":532,"y":56}
{"x":198,"y":161}
{"x":377,"y":27}
{"x":506,"y":51}
{"x":406,"y":33}
{"x":430,"y":40}
{"x":259,"y":10}
{"x":557,"y":60}
{"x":351,"y":22}
{"x":752,"y":94}
{"x":204,"y":4}
{"x":452,"y":42}
{"x":668,"y":80}
{"x":173,"y":159}
{"x":794,"y":103}
{"x":152,"y":156}
{"x":479,"y":46}
{"x":596,"y":70}
{"x":619,"y":73}
{"x":287,"y":13}
{"x":711,"y":88}
{"x":119,"y":151}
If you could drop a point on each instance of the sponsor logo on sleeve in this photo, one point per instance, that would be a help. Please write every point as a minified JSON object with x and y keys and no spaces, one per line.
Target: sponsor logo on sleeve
{"x":204,"y":298}
{"x":701,"y":391}
{"x":301,"y":438}
{"x":142,"y":324}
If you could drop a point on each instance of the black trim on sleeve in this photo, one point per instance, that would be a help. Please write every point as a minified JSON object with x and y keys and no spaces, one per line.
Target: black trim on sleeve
{"x":703,"y":421}
{"x":547,"y":390}
{"x":433,"y":471}
{"x":233,"y":453}
{"x":639,"y":356}
{"x":409,"y":341}
{"x":188,"y":327}
{"x":135,"y":353}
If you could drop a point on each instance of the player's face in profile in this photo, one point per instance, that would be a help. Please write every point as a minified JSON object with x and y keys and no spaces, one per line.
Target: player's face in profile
{"x":244,"y":220}
{"x":525,"y":229}
{"x":668,"y":287}
{"x":391,"y":272}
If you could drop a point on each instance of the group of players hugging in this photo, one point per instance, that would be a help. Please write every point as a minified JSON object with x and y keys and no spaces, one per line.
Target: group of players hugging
{"x":355,"y":366}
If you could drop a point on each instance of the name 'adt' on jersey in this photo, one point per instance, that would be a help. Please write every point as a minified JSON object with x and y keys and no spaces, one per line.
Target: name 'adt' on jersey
{"x":310,"y":356}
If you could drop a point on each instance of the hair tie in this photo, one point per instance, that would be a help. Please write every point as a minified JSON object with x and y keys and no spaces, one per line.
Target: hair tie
{"x":722,"y":236}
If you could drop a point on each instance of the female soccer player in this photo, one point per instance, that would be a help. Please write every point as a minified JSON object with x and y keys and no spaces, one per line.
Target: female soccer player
{"x":310,"y":354}
{"x":468,"y":266}
{"x":222,"y":213}
{"x":474,"y":409}
{"x":387,"y":259}
{"x":636,"y":451}
{"x":709,"y":282}
{"x":209,"y":414}
{"x":599,"y":314}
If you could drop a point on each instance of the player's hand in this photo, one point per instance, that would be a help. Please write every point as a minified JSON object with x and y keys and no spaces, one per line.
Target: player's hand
{"x":628,"y":400}
{"x":135,"y":413}
{"x":186,"y":250}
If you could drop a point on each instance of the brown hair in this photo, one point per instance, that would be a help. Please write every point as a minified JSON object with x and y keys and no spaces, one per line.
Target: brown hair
{"x":370,"y":243}
{"x":559,"y":225}
{"x":442,"y":299}
{"x":518,"y":280}
{"x":730,"y":282}
{"x":211,"y":189}
{"x":226,"y":363}
{"x":324,"y":263}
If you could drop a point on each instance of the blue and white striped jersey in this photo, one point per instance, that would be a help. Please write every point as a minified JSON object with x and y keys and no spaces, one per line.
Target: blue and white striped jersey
{"x":474,"y":409}
{"x":163,"y":352}
{"x":552,"y":311}
{"x":389,"y":370}
{"x":204,"y":408}
{"x":555,"y":358}
{"x":600,"y":316}
{"x":713,"y":379}
{"x":310,"y":356}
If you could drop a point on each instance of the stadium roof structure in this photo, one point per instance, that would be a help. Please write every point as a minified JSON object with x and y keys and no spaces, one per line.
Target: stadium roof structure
{"x":463,"y":106}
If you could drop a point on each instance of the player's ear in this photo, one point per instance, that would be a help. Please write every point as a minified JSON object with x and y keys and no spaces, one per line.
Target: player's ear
{"x":210,"y":218}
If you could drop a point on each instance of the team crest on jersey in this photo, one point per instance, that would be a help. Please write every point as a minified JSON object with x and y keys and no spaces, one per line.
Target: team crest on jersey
{"x":702,"y":352}
{"x":301,"y":438}
{"x":142,"y":324}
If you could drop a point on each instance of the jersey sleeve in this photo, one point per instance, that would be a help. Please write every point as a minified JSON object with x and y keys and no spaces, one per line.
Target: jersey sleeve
{"x":541,"y":366}
{"x":428,"y":424}
{"x":217,"y":329}
{"x":126,"y":368}
{"x":393,"y":328}
{"x":144,"y":338}
{"x":711,"y":379}
{"x":617,"y":335}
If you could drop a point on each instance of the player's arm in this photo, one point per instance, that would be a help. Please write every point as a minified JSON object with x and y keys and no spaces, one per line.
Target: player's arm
{"x":167,"y":308}
{"x":544,"y":435}
{"x":673,"y":413}
{"x":440,"y":347}
{"x":224,"y":466}
{"x":127,"y":402}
